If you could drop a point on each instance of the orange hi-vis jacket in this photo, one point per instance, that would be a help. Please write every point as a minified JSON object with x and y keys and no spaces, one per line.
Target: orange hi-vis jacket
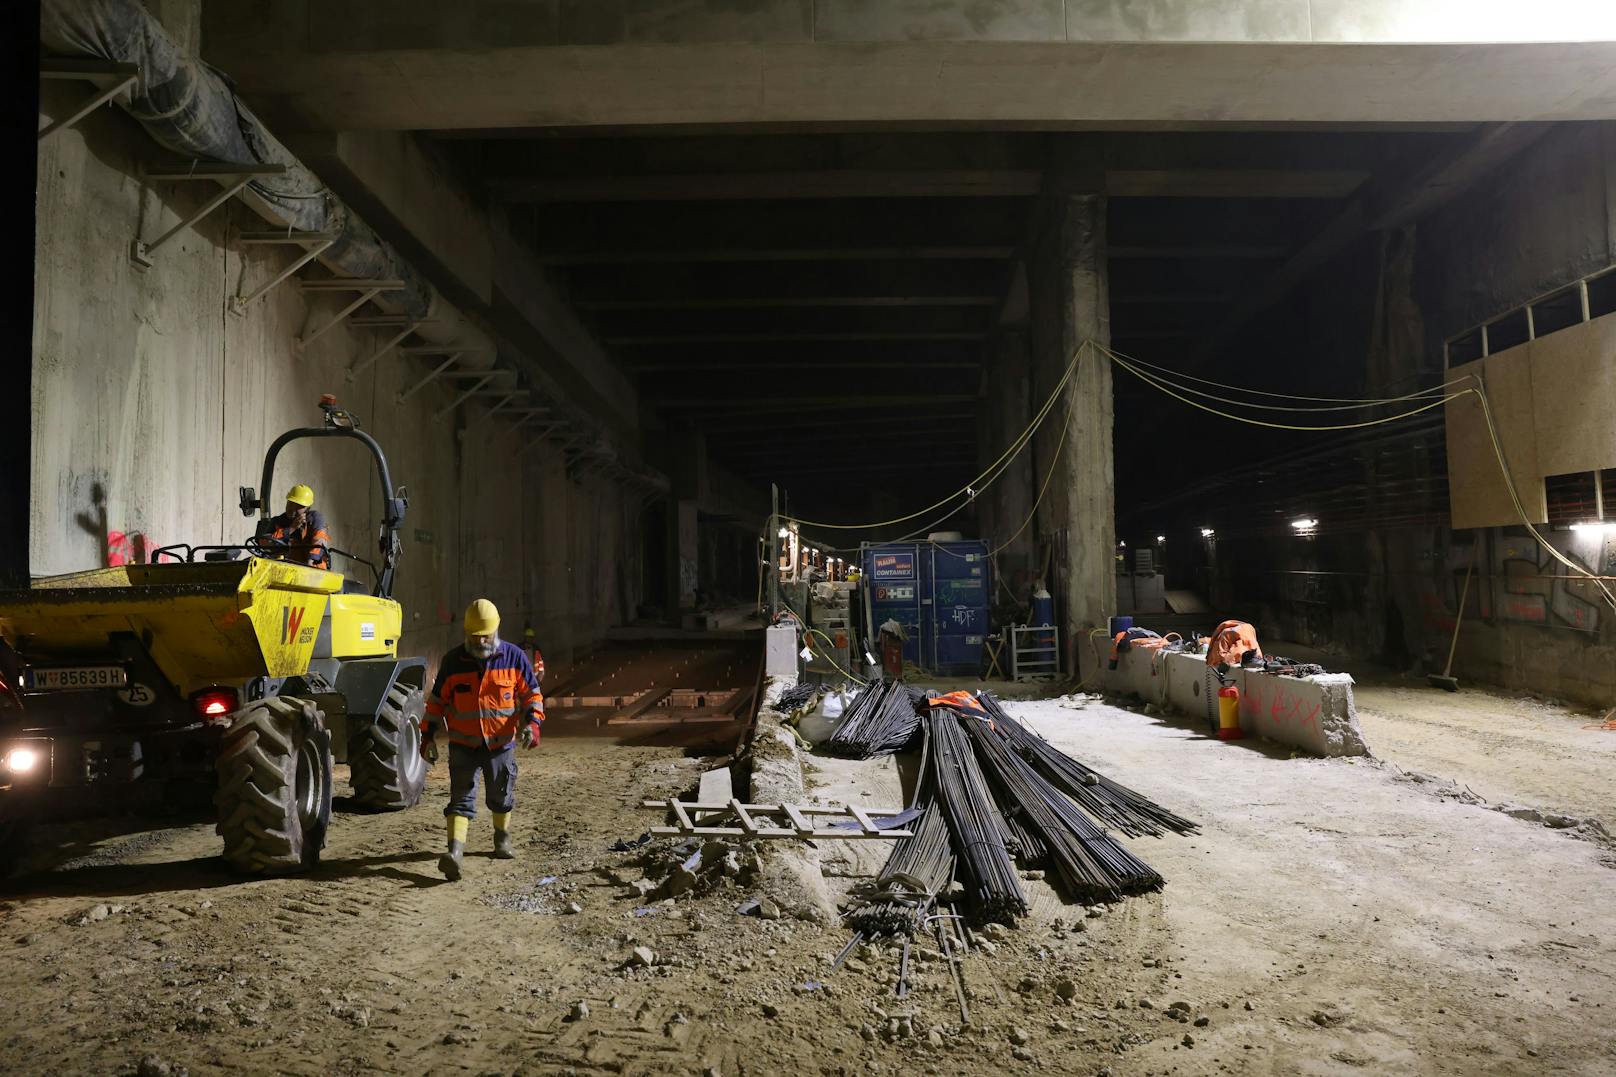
{"x":1230,"y":642}
{"x":480,"y":702}
{"x":307,"y":545}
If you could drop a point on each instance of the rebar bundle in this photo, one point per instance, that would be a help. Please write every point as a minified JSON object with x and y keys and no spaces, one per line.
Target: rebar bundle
{"x":882,"y":718}
{"x":796,"y":697}
{"x":992,"y":887}
{"x":1114,"y":805}
{"x":1089,"y":864}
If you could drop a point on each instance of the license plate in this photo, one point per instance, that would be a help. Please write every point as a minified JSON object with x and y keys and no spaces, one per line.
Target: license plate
{"x":74,"y":678}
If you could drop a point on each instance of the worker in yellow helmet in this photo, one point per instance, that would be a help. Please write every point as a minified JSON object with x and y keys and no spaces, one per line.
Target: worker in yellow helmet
{"x":487,"y":698}
{"x":300,"y":532}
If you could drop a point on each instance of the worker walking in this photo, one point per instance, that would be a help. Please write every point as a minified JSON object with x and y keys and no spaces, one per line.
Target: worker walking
{"x":487,"y":698}
{"x":530,"y":644}
{"x":302,"y":530}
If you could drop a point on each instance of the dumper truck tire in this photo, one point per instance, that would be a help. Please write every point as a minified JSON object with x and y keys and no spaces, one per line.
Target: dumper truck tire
{"x":384,"y":755}
{"x":274,"y":795}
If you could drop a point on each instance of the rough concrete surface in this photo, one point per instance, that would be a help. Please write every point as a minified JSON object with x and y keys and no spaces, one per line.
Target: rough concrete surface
{"x":1332,"y":916}
{"x":152,"y":405}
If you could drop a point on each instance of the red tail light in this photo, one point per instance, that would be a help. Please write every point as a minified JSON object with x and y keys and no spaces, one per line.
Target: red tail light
{"x":212,"y":704}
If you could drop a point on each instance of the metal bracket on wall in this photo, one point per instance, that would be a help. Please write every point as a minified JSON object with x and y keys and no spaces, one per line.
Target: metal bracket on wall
{"x":509,"y":396}
{"x":110,"y":80}
{"x":407,"y":326}
{"x":450,"y":407}
{"x":367,"y":289}
{"x":437,"y":372}
{"x":234,"y":177}
{"x":313,"y":244}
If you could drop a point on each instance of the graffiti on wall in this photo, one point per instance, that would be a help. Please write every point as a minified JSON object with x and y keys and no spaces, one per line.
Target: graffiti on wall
{"x":118,"y":547}
{"x":1517,"y":581}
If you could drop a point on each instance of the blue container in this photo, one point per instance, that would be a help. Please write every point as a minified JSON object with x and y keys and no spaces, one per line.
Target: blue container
{"x":1120,"y":624}
{"x":892,"y":575}
{"x":941,"y":592}
{"x":961,"y":592}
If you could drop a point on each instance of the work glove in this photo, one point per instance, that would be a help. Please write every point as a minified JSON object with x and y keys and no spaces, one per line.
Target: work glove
{"x":429,"y":748}
{"x":530,"y":735}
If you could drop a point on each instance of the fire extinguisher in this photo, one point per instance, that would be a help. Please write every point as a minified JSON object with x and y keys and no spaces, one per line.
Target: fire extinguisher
{"x":1229,"y":712}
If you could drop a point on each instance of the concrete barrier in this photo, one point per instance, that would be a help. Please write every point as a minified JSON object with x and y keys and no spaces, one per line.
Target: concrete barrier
{"x":1315,"y":714}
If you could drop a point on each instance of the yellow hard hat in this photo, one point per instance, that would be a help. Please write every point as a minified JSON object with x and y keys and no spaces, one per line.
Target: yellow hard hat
{"x":301,"y":495}
{"x":482,"y":618}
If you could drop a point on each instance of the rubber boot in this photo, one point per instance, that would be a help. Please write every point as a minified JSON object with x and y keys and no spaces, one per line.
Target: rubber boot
{"x":503,"y":850}
{"x":450,"y":862}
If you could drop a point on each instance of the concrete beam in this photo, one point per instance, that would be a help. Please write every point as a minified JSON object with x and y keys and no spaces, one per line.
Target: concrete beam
{"x":720,"y":187}
{"x":789,"y":302}
{"x":698,"y":255}
{"x":413,"y":200}
{"x":783,"y":402}
{"x":783,"y":337}
{"x":1389,"y":204}
{"x":423,"y":65}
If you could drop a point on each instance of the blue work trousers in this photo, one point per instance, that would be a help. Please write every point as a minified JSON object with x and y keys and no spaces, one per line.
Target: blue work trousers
{"x":496,"y":767}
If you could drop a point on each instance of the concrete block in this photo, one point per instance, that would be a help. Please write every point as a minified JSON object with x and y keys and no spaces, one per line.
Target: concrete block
{"x":780,"y":657}
{"x":717,"y":787}
{"x":926,"y":20}
{"x":1314,"y":714}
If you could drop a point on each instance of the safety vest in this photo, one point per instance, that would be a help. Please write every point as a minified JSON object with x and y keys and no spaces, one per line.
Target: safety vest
{"x":480,"y":701}
{"x":306,"y":545}
{"x":1230,"y":642}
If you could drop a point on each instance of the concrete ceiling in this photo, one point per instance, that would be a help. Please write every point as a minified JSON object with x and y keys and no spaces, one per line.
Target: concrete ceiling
{"x":423,"y":65}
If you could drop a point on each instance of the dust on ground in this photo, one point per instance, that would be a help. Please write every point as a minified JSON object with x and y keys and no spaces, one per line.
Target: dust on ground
{"x":1331,"y":917}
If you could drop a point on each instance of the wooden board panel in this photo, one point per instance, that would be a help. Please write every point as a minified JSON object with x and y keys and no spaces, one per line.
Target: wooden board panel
{"x":1476,"y":490}
{"x":1574,"y":397}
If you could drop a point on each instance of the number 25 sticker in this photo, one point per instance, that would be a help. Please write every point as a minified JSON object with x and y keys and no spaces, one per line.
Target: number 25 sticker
{"x":138,"y":695}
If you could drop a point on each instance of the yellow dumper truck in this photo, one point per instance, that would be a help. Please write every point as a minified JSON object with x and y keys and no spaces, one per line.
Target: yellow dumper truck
{"x":223,"y":665}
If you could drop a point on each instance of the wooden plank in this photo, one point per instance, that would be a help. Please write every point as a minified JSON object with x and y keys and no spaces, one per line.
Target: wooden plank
{"x":863,"y":820}
{"x":798,"y":820}
{"x":650,"y":699}
{"x":740,"y":814}
{"x":772,"y":832}
{"x":1477,"y":493}
{"x":1573,"y":384}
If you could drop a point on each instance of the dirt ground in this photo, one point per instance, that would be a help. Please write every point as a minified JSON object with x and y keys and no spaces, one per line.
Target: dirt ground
{"x":1331,"y":917}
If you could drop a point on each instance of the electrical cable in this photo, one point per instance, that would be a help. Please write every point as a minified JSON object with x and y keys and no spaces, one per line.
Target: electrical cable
{"x":1166,"y":387}
{"x":1476,"y":389}
{"x":1288,"y":396}
{"x":1049,"y":474}
{"x":972,"y":488}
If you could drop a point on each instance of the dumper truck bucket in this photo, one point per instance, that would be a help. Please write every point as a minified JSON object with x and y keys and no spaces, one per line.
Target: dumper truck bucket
{"x":202,"y":623}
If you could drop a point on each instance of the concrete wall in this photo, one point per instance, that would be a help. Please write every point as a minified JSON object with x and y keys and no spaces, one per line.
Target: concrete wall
{"x":1376,"y":320}
{"x":151,"y":405}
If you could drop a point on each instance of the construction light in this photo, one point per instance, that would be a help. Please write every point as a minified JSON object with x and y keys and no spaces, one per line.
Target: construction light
{"x":21,"y":760}
{"x":1305,"y":524}
{"x":1160,"y":539}
{"x":1121,"y":542}
{"x":784,"y":533}
{"x":1593,"y":526}
{"x":1207,"y":532}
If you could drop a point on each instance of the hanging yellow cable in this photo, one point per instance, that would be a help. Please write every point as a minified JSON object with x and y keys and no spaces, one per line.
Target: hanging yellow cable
{"x":1164,"y":387}
{"x":1288,"y":396}
{"x":976,"y":485}
{"x":1054,"y":461}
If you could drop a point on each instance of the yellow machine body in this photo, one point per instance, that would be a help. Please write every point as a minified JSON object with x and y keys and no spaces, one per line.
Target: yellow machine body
{"x":204,"y":623}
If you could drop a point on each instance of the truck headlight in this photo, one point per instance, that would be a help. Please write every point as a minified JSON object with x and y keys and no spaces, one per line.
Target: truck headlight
{"x":21,"y":760}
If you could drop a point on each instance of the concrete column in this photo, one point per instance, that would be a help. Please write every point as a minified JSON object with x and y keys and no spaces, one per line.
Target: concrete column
{"x":1010,"y":409}
{"x":16,"y":403}
{"x":1086,"y":466}
{"x":687,"y":468}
